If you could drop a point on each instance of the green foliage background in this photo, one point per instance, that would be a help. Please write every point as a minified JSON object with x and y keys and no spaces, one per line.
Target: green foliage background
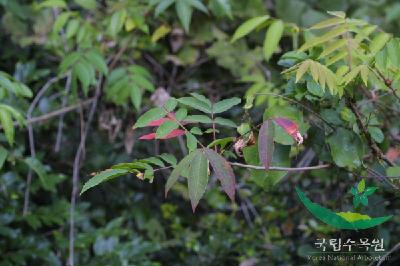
{"x":134,"y":48}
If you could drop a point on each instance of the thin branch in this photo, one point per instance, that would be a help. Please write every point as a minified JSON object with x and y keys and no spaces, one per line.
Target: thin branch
{"x":372,"y":144}
{"x":279,"y":168}
{"x":31,"y":138}
{"x":75,"y":171}
{"x":61,"y":121}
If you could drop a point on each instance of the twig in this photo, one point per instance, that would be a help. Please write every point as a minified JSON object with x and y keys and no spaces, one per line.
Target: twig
{"x":57,"y":112}
{"x":61,"y":121}
{"x":75,"y":171}
{"x":279,"y":168}
{"x":373,"y":146}
{"x":387,"y":82}
{"x":31,"y":138}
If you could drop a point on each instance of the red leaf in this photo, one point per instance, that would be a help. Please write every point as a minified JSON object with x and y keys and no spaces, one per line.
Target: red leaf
{"x":174,"y":133}
{"x":224,"y":172}
{"x":159,"y":122}
{"x":266,"y":143}
{"x":290,"y":127}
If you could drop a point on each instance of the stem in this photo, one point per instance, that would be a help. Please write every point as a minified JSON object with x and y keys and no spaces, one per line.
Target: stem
{"x":279,"y":168}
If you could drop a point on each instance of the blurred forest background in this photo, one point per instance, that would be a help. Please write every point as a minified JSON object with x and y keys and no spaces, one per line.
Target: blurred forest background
{"x":79,"y":121}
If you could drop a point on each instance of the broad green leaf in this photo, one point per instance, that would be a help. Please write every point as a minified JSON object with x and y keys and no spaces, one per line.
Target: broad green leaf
{"x":160,"y":32}
{"x":97,"y":61}
{"x":184,"y":11}
{"x":198,"y":5}
{"x":272,"y":38}
{"x":377,"y":134}
{"x":197,"y":178}
{"x":117,"y":22}
{"x":370,"y":190}
{"x":178,"y":170}
{"x":169,"y":158}
{"x":162,"y":6}
{"x":14,"y":113}
{"x":166,"y":128}
{"x":69,"y":61}
{"x":221,"y":142}
{"x":181,"y":114}
{"x":198,"y":119}
{"x":82,"y":71}
{"x":202,"y":98}
{"x":248,"y":26}
{"x":87,"y":4}
{"x":136,"y":97}
{"x":224,"y":122}
{"x":142,"y":82}
{"x":195,"y":103}
{"x":346,"y":148}
{"x":339,"y":14}
{"x":225,"y":105}
{"x":53,"y":3}
{"x":378,"y":42}
{"x":155,"y":161}
{"x":3,"y":156}
{"x":61,"y":21}
{"x":266,"y":143}
{"x":150,"y":115}
{"x":102,"y":177}
{"x":8,"y":126}
{"x":223,"y":171}
{"x":170,"y":105}
{"x":361,"y":186}
{"x":191,"y":142}
{"x":38,"y":168}
{"x":393,"y":171}
{"x":72,"y":28}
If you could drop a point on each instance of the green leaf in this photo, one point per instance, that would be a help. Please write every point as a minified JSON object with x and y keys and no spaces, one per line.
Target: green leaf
{"x":169,"y":158}
{"x":166,"y":128}
{"x":346,"y":148}
{"x":352,"y":217}
{"x":97,"y":61}
{"x":3,"y":156}
{"x":87,"y":4}
{"x":178,"y":170}
{"x":14,"y":113}
{"x":328,"y":23}
{"x":61,"y":21}
{"x":393,"y":171}
{"x":136,"y":97}
{"x":155,"y":161}
{"x":82,"y":71}
{"x":224,"y":122}
{"x":370,"y":190}
{"x":197,"y":178}
{"x":195,"y":103}
{"x":376,"y":133}
{"x":272,"y":38}
{"x":38,"y":168}
{"x":223,"y":171}
{"x":378,"y":42}
{"x":266,"y":143}
{"x":170,"y":104}
{"x":181,"y":114}
{"x":8,"y":126}
{"x":198,"y":5}
{"x":191,"y":142}
{"x":225,"y":105}
{"x":162,"y":6}
{"x":221,"y":142}
{"x":361,"y":186}
{"x":202,"y":98}
{"x":160,"y":32}
{"x":150,"y":115}
{"x":248,"y":26}
{"x":102,"y":177}
{"x":53,"y":3}
{"x":117,"y":22}
{"x":72,"y":28}
{"x":184,"y":11}
{"x":198,"y":119}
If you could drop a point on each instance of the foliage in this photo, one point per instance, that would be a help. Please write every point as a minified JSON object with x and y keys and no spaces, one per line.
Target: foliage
{"x":229,"y":96}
